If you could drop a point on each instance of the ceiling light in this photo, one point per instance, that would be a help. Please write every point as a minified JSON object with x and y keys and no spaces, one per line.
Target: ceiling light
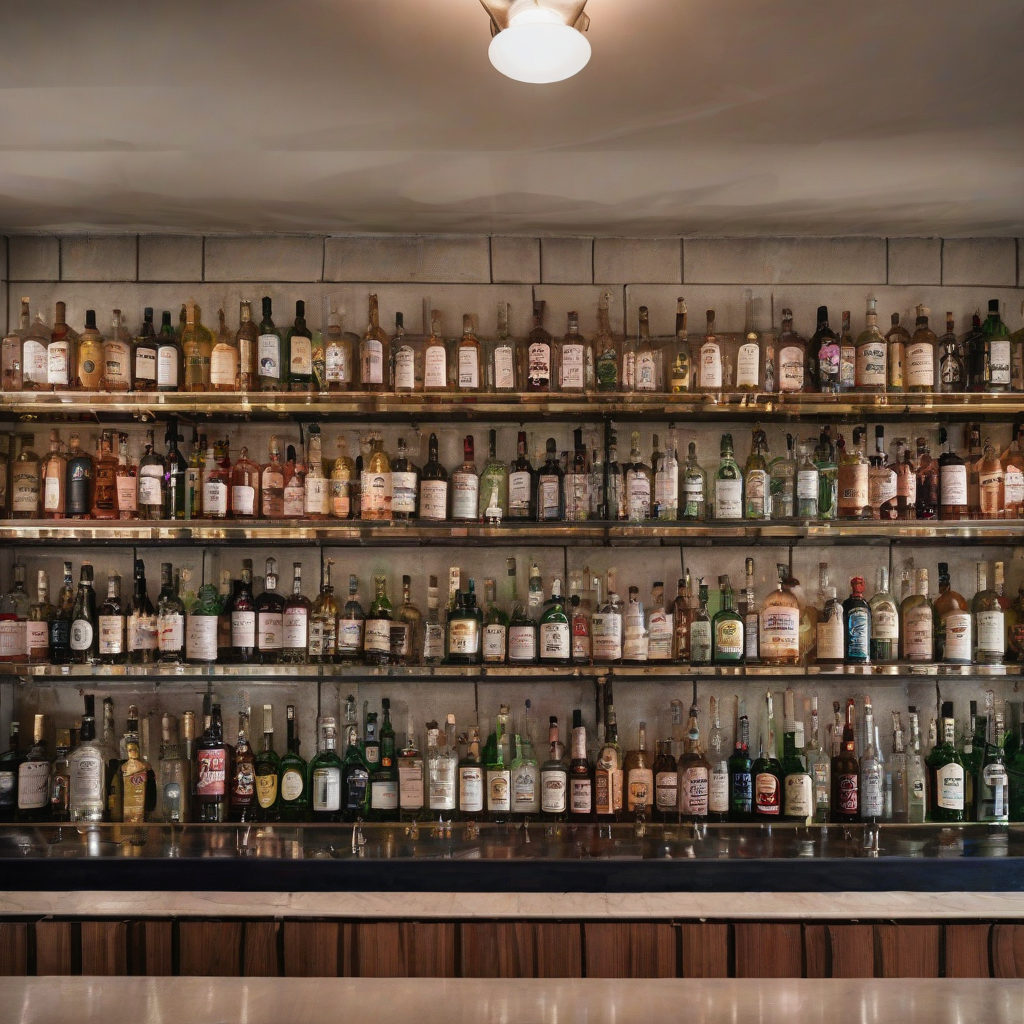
{"x":538,"y":41}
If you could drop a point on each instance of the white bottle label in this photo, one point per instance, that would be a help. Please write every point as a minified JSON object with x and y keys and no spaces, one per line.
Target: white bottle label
{"x":645,"y":372}
{"x":224,"y":365}
{"x":410,"y":784}
{"x":405,"y":369}
{"x":881,"y":486}
{"x":327,"y":789}
{"x":581,"y":795}
{"x":465,"y":494}
{"x":271,"y":630}
{"x":151,"y":486}
{"x":350,"y":635}
{"x":57,"y":363}
{"x":384,"y":795}
{"x":1013,"y":486}
{"x":791,"y":368}
{"x":403,"y":493}
{"x":539,"y":358}
{"x":495,"y":642}
{"x":830,"y":638}
{"x":998,"y":361}
{"x":435,"y":367}
{"x":434,"y":499}
{"x":666,"y":486}
{"x":555,"y":642}
{"x":81,"y":634}
{"x":718,"y":788}
{"x":292,"y":784}
{"x":710,"y":365}
{"x":639,"y":788}
{"x":552,"y":792}
{"x":953,"y":485}
{"x":659,"y":635}
{"x":885,"y":624}
{"x":693,"y":791}
{"x":748,"y":363}
{"x":34,"y":361}
{"x":571,"y":370}
{"x":950,"y":788}
{"x":51,"y":494}
{"x":991,"y":632}
{"x":338,"y":371}
{"x":167,"y":367}
{"x":301,"y":355}
{"x":958,"y":637}
{"x":524,"y":790}
{"x":919,"y":363}
{"x":471,"y":789}
{"x":243,"y":629}
{"x":547,"y":498}
{"x":142,"y":633}
{"x":638,"y":495}
{"x":807,"y":484}
{"x":33,"y":785}
{"x":780,"y":632}
{"x":469,"y":368}
{"x":201,"y":638}
{"x":372,"y":361}
{"x":215,"y":498}
{"x":504,"y":368}
{"x":522,"y":643}
{"x":519,"y":494}
{"x":316,"y":496}
{"x":606,"y":636}
{"x":87,"y":777}
{"x":269,"y":349}
{"x":377,"y":636}
{"x":870,"y":365}
{"x":295,"y":623}
{"x":375,"y":493}
{"x":728,"y":499}
{"x":871,"y":798}
{"x":919,"y":637}
{"x":37,"y":636}
{"x":111,"y":634}
{"x":799,"y":796}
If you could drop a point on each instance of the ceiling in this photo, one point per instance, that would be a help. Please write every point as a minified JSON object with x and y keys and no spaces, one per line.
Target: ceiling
{"x":693,"y":116}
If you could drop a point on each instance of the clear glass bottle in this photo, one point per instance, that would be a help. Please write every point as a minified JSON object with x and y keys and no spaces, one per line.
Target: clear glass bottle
{"x":792,"y":356}
{"x":197,"y":348}
{"x":405,"y":484}
{"x":435,"y":357}
{"x":917,"y":622}
{"x":885,"y":620}
{"x":538,"y":353}
{"x":62,"y":352}
{"x":25,"y":476}
{"x":870,"y":355}
{"x":647,"y":369}
{"x":502,"y":360}
{"x":897,"y":339}
{"x":952,"y":371}
{"x":606,"y":349}
{"x":989,"y":622}
{"x":710,"y":371}
{"x":700,"y":628}
{"x":695,"y":487}
{"x":638,"y":482}
{"x":87,"y":770}
{"x":666,"y":481}
{"x":757,"y":503}
{"x":679,"y":372}
{"x":493,"y":486}
{"x":469,"y":357}
{"x":780,"y":625}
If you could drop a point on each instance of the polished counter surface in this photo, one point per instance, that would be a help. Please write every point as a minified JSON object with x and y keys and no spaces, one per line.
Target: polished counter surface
{"x":197,"y":1000}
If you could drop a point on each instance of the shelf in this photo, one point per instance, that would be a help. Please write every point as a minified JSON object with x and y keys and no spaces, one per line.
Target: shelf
{"x":281,"y":675}
{"x":354,"y":532}
{"x":356,"y":406}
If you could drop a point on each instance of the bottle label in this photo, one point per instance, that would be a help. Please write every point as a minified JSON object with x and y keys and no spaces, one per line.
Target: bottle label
{"x":666,"y":486}
{"x":919,"y":360}
{"x":403,"y":493}
{"x":37,"y":636}
{"x":606,"y":634}
{"x":201,"y":638}
{"x":215,"y":498}
{"x":830,"y":637}
{"x":639,"y":788}
{"x":659,"y":635}
{"x":998,"y":361}
{"x":885,"y":624}
{"x":849,"y":793}
{"x":700,"y":641}
{"x":1013,"y":486}
{"x":539,"y":362}
{"x":853,"y":487}
{"x":767,"y":795}
{"x":469,"y":368}
{"x":581,"y":795}
{"x":142,"y":633}
{"x":211,"y":780}
{"x":858,"y":625}
{"x":729,"y":639}
{"x":645,"y":372}
{"x":710,"y":365}
{"x":464,"y":637}
{"x":116,"y":364}
{"x":81,"y":635}
{"x":224,"y":365}
{"x":25,"y":488}
{"x":87,"y":777}
{"x":33,"y":785}
{"x":434,"y":500}
{"x":524,"y":790}
{"x":151,"y":486}
{"x":465,"y":494}
{"x":292,"y":785}
{"x":718,"y":789}
{"x":547,"y":498}
{"x":126,"y":493}
{"x":638,"y":495}
{"x":435,"y":367}
{"x":953,"y":485}
{"x":799,"y":796}
{"x":375,"y":494}
{"x":471,"y":789}
{"x":301,"y":355}
{"x":51,"y":494}
{"x":871,"y":802}
{"x":410,"y":784}
{"x":571,"y":371}
{"x":57,"y":361}
{"x":111,"y":634}
{"x":34,"y":361}
{"x":758,"y":495}
{"x":780,"y":632}
{"x":870,"y":369}
{"x":337,"y":360}
{"x":243,"y":629}
{"x":555,"y":642}
{"x":991,"y":493}
{"x":268,"y":347}
{"x":919,"y":633}
{"x":666,"y":791}
{"x":405,"y":369}
{"x":693,"y":791}
{"x":295,"y":623}
{"x":377,"y":636}
{"x":748,"y":364}
{"x":499,"y":790}
{"x":316,"y":497}
{"x":271,"y":630}
{"x":950,"y":787}
{"x":991,"y":632}
{"x":728,"y":499}
{"x":906,"y":484}
{"x":791,"y":368}
{"x":504,"y":368}
{"x":350,"y":636}
{"x":442,"y":790}
{"x":957,"y":645}
{"x":552,"y":792}
{"x":372,"y":360}
{"x":495,"y":638}
{"x":326,"y":782}
{"x":882,"y":486}
{"x":341,"y":498}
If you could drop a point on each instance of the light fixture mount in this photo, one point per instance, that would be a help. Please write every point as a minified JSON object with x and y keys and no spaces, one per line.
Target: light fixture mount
{"x":538,"y":41}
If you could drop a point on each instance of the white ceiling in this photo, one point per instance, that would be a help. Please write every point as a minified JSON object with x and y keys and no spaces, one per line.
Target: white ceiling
{"x":694,"y":116}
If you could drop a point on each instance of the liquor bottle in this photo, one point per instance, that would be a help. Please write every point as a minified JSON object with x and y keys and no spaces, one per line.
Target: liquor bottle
{"x":351,"y":624}
{"x":10,"y":764}
{"x":608,"y":772}
{"x":996,"y":346}
{"x":244,"y":501}
{"x":126,"y":483}
{"x":241,"y":354}
{"x":709,"y":378}
{"x":325,"y":771}
{"x":202,"y":626}
{"x":498,"y":770}
{"x":919,"y":356}
{"x":792,"y":356}
{"x":695,"y":487}
{"x":638,"y":482}
{"x":989,"y":622}
{"x":906,"y":481}
{"x":242,"y":616}
{"x":293,"y":774}
{"x":555,"y":646}
{"x":550,"y":491}
{"x":666,"y":778}
{"x":780,"y":625}
{"x":272,"y":369}
{"x":953,"y":635}
{"x":700,"y":628}
{"x":853,"y":479}
{"x":86,"y":768}
{"x":606,"y":626}
{"x":471,"y":778}
{"x":635,"y":638}
{"x":953,"y":489}
{"x":679,"y":373}
{"x":646,"y":372}
{"x":377,"y":627}
{"x":501,"y":373}
{"x":807,"y":485}
{"x":442,"y":769}
{"x":946,"y":776}
{"x":871,"y":779}
{"x":298,"y":345}
{"x":32,"y":777}
{"x":718,"y":775}
{"x":435,"y":358}
{"x":62,"y":353}
{"x":896,"y":339}
{"x":756,"y":485}
{"x":493,"y":486}
{"x":90,"y":355}
{"x":857,"y":630}
{"x":59,"y":795}
{"x":828,"y":477}
{"x":538,"y":352}
{"x":79,"y":480}
{"x":666,"y":481}
{"x":60,"y":624}
{"x":918,"y":621}
{"x":870,"y":354}
{"x":355,"y":771}
{"x":900,"y":774}
{"x":469,"y":357}
{"x":295,"y":621}
{"x":25,"y":480}
{"x":782,"y":472}
{"x":728,"y":484}
{"x":176,"y":496}
{"x":84,"y":627}
{"x":819,"y":766}
{"x":271,"y":485}
{"x":952,"y":371}
{"x":294,"y":482}
{"x":465,"y":486}
{"x":580,"y":610}
{"x":748,"y":355}
{"x":169,"y":373}
{"x":270,"y":609}
{"x":40,"y":616}
{"x":521,"y":484}
{"x":846,"y":773}
{"x":991,"y":484}
{"x":799,"y":802}
{"x":211,"y":770}
{"x":882,"y":482}
{"x":407,"y":629}
{"x":151,"y":473}
{"x":197,"y":348}
{"x":342,"y":482}
{"x":885,"y":620}
{"x":614,"y":487}
{"x":111,"y":644}
{"x":992,"y":787}
{"x":767,"y":773}
{"x":824,"y":356}
{"x":659,"y":627}
{"x":917,"y":774}
{"x":411,"y":795}
{"x":693,"y":774}
{"x":14,"y":613}
{"x":432,"y":501}
{"x":927,"y":485}
{"x":727,"y":646}
{"x":847,"y":355}
{"x":741,"y":783}
{"x":830,"y":630}
{"x":638,"y":776}
{"x":35,"y":337}
{"x":13,"y":354}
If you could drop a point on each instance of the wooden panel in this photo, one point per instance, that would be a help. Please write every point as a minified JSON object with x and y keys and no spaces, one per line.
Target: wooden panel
{"x":816,"y":951}
{"x":53,"y":947}
{"x":769,"y":950}
{"x":1008,"y":950}
{"x":705,"y":950}
{"x":13,"y":948}
{"x":498,"y":949}
{"x":260,"y":957}
{"x":311,"y":949}
{"x":211,"y":948}
{"x":405,"y":949}
{"x":158,"y":948}
{"x":630,"y":950}
{"x":967,"y":951}
{"x":431,"y":946}
{"x":853,"y":950}
{"x":104,"y":947}
{"x":559,"y":950}
{"x":908,"y":950}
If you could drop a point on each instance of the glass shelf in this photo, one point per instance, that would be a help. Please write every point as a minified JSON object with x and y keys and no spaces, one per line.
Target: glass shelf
{"x":383,"y":534}
{"x":355,"y":406}
{"x":278,"y":675}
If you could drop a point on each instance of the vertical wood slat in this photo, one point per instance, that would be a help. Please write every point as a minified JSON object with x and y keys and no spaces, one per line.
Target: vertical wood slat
{"x":498,"y":949}
{"x":630,"y":950}
{"x":908,"y":950}
{"x":559,"y":949}
{"x":13,"y":948}
{"x":260,"y":955}
{"x":311,"y":949}
{"x":816,"y":951}
{"x":853,"y":950}
{"x":405,"y":949}
{"x":211,"y":948}
{"x":769,"y":950}
{"x":104,"y":947}
{"x":705,"y":950}
{"x":53,"y":947}
{"x":967,"y":951}
{"x":1008,"y":950}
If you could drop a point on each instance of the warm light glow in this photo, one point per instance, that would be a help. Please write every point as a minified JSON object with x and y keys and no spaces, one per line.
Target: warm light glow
{"x":539,"y":47}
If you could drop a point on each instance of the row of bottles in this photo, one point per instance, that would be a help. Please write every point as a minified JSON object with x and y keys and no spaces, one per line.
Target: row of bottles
{"x":262,"y":357}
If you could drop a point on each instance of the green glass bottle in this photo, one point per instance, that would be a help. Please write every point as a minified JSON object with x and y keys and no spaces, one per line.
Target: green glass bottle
{"x":293,"y":792}
{"x":267,"y":771}
{"x":555,"y":642}
{"x":325,"y":776}
{"x":297,"y":354}
{"x":767,"y":773}
{"x":498,"y":761}
{"x":728,"y":497}
{"x":996,"y":347}
{"x":384,"y":774}
{"x":946,"y":775}
{"x":828,"y":477}
{"x":798,"y":786}
{"x":700,"y":629}
{"x":726,"y":629}
{"x":741,"y":783}
{"x":355,"y":773}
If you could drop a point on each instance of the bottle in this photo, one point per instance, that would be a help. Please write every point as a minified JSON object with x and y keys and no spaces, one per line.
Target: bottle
{"x":40,"y":616}
{"x":555,"y":645}
{"x":871,"y":781}
{"x":946,"y":776}
{"x":355,"y":769}
{"x":870,"y":354}
{"x":989,"y":622}
{"x":197,"y":347}
{"x":316,"y":491}
{"x":727,"y":646}
{"x":35,"y":340}
{"x":111,"y":643}
{"x":377,"y":630}
{"x":953,"y":635}
{"x":679,"y":374}
{"x":224,"y":361}
{"x":242,"y":353}
{"x":86,"y":768}
{"x":433,"y":486}
{"x":325,"y":772}
{"x":693,"y":774}
{"x":638,"y":482}
{"x":953,"y":490}
{"x":823,"y":356}
{"x":638,"y":776}
{"x":606,"y":625}
{"x":857,"y":632}
{"x":792,"y":356}
{"x":780,"y":625}
{"x":293,"y":773}
{"x":748,"y":355}
{"x":718,"y":774}
{"x":53,"y":480}
{"x":272,"y":370}
{"x":498,"y":769}
{"x":614,"y":489}
{"x":32,"y":776}
{"x":741,"y":783}
{"x":202,"y":626}
{"x":992,"y":787}
{"x":996,"y":346}
{"x":471,"y":779}
{"x":830,"y":630}
{"x":991,"y":484}
{"x":90,"y":355}
{"x":294,"y":482}
{"x":295,"y":621}
{"x":176,"y":504}
{"x":917,"y":774}
{"x":666,"y":776}
{"x":919,"y":368}
{"x":406,"y":632}
{"x":521,"y":484}
{"x":700,"y":628}
{"x":84,"y":625}
{"x":493,"y":487}
{"x":952,"y":371}
{"x":767,"y":773}
{"x":660,"y":629}
{"x":465,"y":486}
{"x":538,"y":352}
{"x":435,"y":357}
{"x":883,"y":488}
{"x":757,"y":502}
{"x":635,"y":636}
{"x":897,"y":339}
{"x":819,"y":766}
{"x":550,"y":492}
{"x":298,"y":344}
{"x":502,"y":361}
{"x":62,"y":353}
{"x":728,"y":484}
{"x":828,"y":477}
{"x":60,"y":624}
{"x":695,"y":487}
{"x":270,"y":607}
{"x":846,"y":773}
{"x":853,"y":479}
{"x":885,"y":620}
{"x":666,"y":481}
{"x":168,"y":356}
{"x":917,"y":617}
{"x":782,"y":472}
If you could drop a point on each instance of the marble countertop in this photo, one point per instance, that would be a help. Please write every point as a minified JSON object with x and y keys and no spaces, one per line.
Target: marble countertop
{"x":192,"y":1000}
